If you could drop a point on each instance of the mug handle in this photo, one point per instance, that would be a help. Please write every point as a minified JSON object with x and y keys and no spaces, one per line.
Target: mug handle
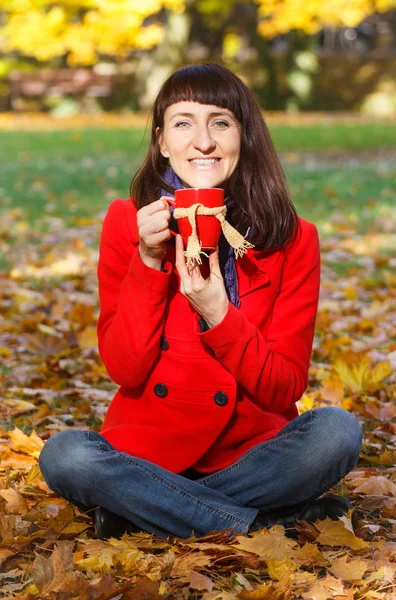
{"x":172,"y":203}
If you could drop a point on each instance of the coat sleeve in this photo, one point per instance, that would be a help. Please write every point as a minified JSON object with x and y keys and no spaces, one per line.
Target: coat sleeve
{"x":132,"y":302}
{"x":274,"y":370}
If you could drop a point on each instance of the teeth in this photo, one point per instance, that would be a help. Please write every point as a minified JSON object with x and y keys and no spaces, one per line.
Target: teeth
{"x":205,"y":161}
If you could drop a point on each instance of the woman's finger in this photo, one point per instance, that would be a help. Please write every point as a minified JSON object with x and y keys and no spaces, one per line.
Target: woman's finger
{"x":214,"y":264}
{"x":180,"y":258}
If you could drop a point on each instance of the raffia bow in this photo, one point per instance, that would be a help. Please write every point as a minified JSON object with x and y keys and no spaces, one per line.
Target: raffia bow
{"x":194,"y":246}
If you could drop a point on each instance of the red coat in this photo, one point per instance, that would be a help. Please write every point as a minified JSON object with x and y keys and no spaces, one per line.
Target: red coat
{"x":202,"y":399}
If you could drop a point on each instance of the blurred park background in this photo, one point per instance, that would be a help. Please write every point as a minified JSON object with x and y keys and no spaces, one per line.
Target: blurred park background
{"x":78,"y":77}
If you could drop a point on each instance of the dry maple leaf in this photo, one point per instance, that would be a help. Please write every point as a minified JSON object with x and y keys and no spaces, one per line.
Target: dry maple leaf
{"x":268,"y":544}
{"x":309,"y":554}
{"x":16,"y":503}
{"x":325,"y":589}
{"x":198,"y":581}
{"x":30,"y":445}
{"x":376,"y":485}
{"x":334,"y":533}
{"x":55,"y":573}
{"x":278,"y":569}
{"x":363,"y":378}
{"x":183,"y":566}
{"x":348,"y":571}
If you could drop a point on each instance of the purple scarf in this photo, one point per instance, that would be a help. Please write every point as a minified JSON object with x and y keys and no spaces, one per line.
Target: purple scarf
{"x":226,"y":252}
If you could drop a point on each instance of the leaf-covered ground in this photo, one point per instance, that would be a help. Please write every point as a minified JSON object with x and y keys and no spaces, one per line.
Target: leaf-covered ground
{"x":51,"y":378}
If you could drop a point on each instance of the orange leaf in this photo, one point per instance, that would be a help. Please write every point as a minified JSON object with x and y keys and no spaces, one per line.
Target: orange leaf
{"x":30,"y":445}
{"x":16,"y":503}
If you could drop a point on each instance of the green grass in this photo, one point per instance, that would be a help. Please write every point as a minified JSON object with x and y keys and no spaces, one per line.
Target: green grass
{"x":76,"y":173}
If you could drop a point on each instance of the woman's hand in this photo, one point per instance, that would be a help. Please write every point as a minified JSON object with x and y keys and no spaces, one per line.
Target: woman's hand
{"x":207,"y":296}
{"x":153,"y":228}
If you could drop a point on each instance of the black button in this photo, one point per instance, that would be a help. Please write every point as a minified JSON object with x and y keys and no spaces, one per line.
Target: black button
{"x":160,"y":390}
{"x":164,"y":343}
{"x":221,"y":398}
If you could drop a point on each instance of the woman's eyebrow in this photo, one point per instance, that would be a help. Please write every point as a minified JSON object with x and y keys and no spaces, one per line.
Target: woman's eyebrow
{"x":212,"y":114}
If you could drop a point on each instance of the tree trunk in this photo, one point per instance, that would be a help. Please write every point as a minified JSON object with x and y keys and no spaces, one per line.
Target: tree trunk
{"x":156,"y":65}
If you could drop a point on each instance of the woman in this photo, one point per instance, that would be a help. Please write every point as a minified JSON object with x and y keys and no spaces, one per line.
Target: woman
{"x":204,"y":433}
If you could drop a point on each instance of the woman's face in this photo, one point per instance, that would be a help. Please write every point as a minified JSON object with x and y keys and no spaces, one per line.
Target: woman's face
{"x":202,"y":142}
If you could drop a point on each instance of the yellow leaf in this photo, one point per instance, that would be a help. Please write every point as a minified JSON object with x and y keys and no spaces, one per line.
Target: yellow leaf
{"x":363,"y":377}
{"x":309,"y":554}
{"x":334,"y":533}
{"x":129,"y":558}
{"x":277,"y":569}
{"x":305,"y":403}
{"x":348,"y":571}
{"x":34,"y":475}
{"x":30,"y":445}
{"x":100,"y":563}
{"x":326,"y":588}
{"x":268,"y":544}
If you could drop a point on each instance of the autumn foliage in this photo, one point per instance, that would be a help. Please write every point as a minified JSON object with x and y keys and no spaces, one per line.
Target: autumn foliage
{"x":52,"y":379}
{"x":83,"y":30}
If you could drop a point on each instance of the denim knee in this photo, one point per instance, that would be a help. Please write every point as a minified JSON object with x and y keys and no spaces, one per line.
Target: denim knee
{"x":63,"y":455}
{"x":342,"y":433}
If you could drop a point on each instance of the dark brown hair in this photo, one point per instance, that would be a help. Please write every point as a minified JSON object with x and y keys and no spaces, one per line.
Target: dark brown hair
{"x":258,"y":184}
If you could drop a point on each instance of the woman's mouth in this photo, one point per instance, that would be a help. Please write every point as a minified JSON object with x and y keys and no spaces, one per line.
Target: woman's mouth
{"x":204,"y":163}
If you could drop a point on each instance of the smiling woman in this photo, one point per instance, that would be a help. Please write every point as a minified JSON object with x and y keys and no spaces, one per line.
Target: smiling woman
{"x":206,"y":151}
{"x":203,"y":433}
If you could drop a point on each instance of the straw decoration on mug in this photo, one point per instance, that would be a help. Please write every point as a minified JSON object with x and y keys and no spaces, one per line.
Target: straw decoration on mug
{"x":233,"y":237}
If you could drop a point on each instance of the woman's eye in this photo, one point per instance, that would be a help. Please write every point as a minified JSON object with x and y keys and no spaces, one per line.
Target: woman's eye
{"x":181,"y":124}
{"x":221,"y":124}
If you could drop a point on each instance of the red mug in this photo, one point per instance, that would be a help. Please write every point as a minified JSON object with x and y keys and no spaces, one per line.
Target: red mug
{"x":208,"y":226}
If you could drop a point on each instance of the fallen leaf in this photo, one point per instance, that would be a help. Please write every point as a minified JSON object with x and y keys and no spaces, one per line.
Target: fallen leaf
{"x":30,"y":445}
{"x":348,"y":571}
{"x":189,"y":562}
{"x":334,"y":533}
{"x":376,"y":485}
{"x":16,"y":503}
{"x":198,"y":581}
{"x":269,"y":544}
{"x":277,"y":569}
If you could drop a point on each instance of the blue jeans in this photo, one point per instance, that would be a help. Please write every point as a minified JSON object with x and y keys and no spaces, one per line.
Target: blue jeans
{"x":309,"y":455}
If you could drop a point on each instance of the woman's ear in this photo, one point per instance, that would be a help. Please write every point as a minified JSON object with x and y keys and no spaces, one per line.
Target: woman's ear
{"x":162,"y":146}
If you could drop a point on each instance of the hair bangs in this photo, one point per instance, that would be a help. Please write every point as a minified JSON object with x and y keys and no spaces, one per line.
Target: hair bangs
{"x":205,"y":84}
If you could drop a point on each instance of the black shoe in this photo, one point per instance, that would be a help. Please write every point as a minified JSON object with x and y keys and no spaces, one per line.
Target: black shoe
{"x":108,"y":524}
{"x":331,"y":506}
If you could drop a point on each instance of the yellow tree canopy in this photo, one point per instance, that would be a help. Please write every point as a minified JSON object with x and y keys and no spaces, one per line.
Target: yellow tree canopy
{"x":81,"y":29}
{"x":280,"y":16}
{"x":84,"y":29}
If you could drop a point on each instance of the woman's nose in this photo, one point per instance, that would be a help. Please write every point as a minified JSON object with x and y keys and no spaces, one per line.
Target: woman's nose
{"x":203,"y":140}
